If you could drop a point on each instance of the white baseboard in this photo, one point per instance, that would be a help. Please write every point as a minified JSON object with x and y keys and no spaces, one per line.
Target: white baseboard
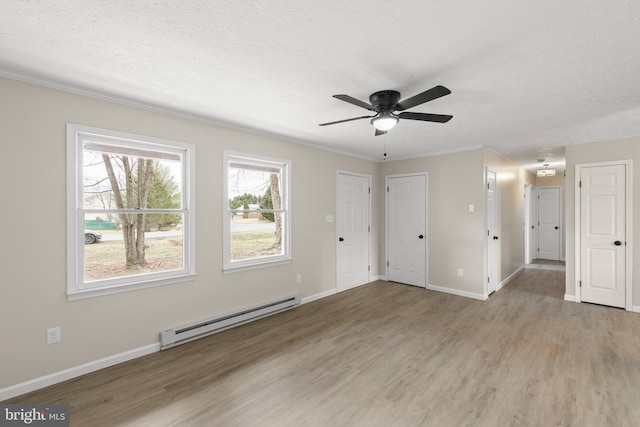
{"x":546,"y":267}
{"x":636,"y":308}
{"x":318,"y":296}
{"x":76,"y":371}
{"x":451,"y":291}
{"x":334,"y":291}
{"x":508,"y":279}
{"x":458,"y":292}
{"x":354,"y":286}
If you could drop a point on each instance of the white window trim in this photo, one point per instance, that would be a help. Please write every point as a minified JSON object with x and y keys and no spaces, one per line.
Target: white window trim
{"x":236,"y":266}
{"x":76,"y":287}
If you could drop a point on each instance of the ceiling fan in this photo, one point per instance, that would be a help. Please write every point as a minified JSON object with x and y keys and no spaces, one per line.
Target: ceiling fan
{"x":386,"y":103}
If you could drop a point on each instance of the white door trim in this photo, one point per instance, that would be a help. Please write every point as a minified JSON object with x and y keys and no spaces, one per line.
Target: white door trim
{"x":491,"y":284}
{"x":529,"y":190}
{"x":628,"y":224}
{"x":368,"y":177}
{"x":386,"y":217}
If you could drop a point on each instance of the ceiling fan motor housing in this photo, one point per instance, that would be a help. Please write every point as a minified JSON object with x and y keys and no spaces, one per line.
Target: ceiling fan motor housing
{"x":384,"y":99}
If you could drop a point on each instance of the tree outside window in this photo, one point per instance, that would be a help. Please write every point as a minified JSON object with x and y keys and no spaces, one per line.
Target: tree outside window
{"x":139,"y":188}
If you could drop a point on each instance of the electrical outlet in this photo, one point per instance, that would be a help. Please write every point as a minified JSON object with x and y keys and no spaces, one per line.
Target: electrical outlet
{"x":299,"y":279}
{"x":53,"y":335}
{"x":460,"y":272}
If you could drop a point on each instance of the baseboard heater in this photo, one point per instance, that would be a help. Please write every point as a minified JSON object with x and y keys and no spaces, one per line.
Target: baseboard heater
{"x":174,"y":337}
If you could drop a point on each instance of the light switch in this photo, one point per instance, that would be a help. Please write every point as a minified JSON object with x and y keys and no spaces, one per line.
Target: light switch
{"x":472,"y":208}
{"x":328,"y":218}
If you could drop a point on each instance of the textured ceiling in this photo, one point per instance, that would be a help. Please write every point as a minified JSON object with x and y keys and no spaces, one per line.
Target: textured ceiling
{"x":527,"y":77}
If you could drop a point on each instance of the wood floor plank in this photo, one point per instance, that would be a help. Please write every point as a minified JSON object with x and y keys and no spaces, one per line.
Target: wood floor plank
{"x":386,"y":354}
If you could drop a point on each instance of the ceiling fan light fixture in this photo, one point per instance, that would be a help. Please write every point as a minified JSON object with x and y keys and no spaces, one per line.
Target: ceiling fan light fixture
{"x":384,"y":121}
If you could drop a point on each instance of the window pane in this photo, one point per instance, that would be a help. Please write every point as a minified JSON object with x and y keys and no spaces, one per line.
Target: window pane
{"x":105,"y":253}
{"x":106,"y":176}
{"x":251,"y":188}
{"x":255,"y":236}
{"x":257,"y":211}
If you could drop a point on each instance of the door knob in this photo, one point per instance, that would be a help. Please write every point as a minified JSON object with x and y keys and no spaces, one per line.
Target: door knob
{"x":556,"y":227}
{"x":341,"y":239}
{"x":495,"y":237}
{"x":421,"y":237}
{"x":617,"y":243}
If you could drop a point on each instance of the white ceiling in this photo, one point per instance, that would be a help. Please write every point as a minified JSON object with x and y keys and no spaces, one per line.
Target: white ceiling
{"x":527,"y":77}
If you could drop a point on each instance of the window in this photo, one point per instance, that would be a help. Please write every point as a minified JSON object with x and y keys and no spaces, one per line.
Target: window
{"x":130,"y":219}
{"x":257,"y":216}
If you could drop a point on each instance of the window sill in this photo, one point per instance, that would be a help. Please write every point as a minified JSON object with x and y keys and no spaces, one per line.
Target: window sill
{"x":255,"y":266}
{"x":97,"y":292}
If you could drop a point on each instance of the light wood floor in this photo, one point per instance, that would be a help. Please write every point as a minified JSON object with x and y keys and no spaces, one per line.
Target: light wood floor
{"x":386,"y":355}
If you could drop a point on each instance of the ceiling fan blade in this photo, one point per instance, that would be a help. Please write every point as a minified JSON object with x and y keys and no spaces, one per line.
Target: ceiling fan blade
{"x":438,"y":118}
{"x":346,"y":120}
{"x":426,"y":96}
{"x":380,"y":132}
{"x":354,"y":101}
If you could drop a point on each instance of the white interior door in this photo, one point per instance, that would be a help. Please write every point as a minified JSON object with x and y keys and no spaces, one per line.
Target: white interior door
{"x":353,"y":230}
{"x":407,"y":229}
{"x":492,"y":234}
{"x":549,"y":223}
{"x":603,"y":235}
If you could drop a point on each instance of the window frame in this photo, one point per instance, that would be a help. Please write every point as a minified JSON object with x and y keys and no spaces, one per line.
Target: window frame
{"x":229,"y":266}
{"x":77,"y":288}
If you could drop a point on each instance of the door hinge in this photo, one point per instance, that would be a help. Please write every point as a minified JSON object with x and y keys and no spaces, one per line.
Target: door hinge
{"x":368,"y":268}
{"x":580,"y":283}
{"x":488,"y":279}
{"x":488,"y":187}
{"x":387,"y":263}
{"x":387,"y":189}
{"x":579,"y":184}
{"x":538,"y":249}
{"x":369,"y":190}
{"x":369,"y":229}
{"x":488,"y":232}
